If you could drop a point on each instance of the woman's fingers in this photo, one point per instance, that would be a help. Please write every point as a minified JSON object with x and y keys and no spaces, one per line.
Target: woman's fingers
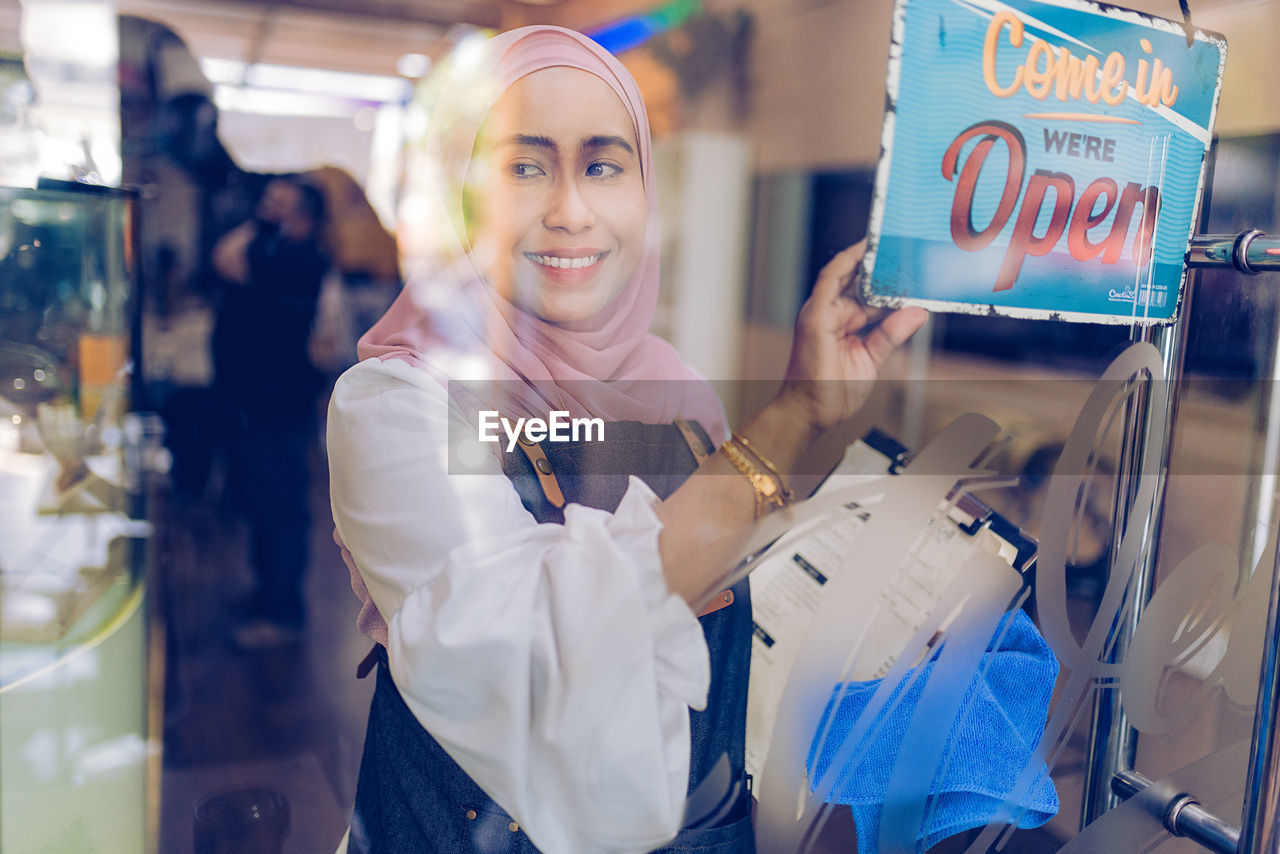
{"x":835,"y":276}
{"x":834,"y":301}
{"x":865,"y":337}
{"x":892,"y":332}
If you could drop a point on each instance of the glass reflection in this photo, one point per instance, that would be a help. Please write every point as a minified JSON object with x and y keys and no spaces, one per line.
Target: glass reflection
{"x":70,"y":50}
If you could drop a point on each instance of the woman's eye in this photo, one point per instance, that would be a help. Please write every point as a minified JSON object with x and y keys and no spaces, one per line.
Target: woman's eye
{"x":525,"y":170}
{"x":603,"y":170}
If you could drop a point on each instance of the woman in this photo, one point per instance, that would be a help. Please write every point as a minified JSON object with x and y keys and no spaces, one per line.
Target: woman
{"x":537,"y":678}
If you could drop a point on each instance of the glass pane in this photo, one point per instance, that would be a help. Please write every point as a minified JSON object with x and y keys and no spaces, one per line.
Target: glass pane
{"x":1182,"y":670}
{"x":75,"y":753}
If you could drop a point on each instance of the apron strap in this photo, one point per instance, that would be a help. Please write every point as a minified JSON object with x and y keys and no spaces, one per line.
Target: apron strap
{"x":367,"y":663}
{"x":551,"y":489}
{"x":542,"y":468}
{"x":696,"y":447}
{"x":723,"y":600}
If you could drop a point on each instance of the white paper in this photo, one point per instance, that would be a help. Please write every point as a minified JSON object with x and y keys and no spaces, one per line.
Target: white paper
{"x":787,"y":586}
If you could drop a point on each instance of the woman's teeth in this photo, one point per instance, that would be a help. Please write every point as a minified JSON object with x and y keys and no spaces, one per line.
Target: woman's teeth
{"x":565,"y":263}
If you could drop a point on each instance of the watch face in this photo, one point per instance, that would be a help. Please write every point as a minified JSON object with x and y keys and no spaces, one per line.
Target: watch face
{"x":767,"y":487}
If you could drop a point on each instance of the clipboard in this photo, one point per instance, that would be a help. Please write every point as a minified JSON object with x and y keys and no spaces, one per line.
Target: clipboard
{"x":788,"y":578}
{"x":970,"y":513}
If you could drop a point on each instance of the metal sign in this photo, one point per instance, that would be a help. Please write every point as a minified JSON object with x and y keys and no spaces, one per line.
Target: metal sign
{"x":1040,"y":159}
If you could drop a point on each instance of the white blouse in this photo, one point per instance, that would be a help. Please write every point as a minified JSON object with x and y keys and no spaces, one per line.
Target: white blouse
{"x":551,"y":661}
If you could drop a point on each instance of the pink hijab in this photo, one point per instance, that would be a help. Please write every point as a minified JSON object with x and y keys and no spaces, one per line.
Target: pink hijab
{"x":608,"y":366}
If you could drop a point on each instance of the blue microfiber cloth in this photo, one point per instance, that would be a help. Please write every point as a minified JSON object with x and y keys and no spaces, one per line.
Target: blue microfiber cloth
{"x":991,"y":741}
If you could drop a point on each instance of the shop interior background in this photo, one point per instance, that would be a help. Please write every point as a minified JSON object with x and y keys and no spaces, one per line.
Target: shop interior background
{"x":767,"y":118}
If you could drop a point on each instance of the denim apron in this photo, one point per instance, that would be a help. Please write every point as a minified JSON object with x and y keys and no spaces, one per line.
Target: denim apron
{"x":412,"y":798}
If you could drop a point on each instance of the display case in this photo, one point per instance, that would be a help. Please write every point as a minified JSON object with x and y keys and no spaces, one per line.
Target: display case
{"x":75,"y":746}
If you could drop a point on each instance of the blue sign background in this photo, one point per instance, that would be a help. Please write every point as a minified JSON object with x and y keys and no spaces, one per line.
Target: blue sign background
{"x":936,"y":73}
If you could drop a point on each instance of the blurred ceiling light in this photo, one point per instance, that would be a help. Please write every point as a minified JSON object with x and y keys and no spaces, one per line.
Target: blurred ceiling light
{"x":227,"y":71}
{"x":469,"y":50}
{"x":413,"y":65}
{"x":339,"y":84}
{"x":273,"y":102}
{"x":365,"y":119}
{"x":81,"y":33}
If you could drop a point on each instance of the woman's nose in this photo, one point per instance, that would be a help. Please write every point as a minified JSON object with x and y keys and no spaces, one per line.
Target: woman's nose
{"x":569,"y":209}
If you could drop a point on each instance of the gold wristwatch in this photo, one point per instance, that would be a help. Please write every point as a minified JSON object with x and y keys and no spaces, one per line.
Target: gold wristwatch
{"x":771,"y":494}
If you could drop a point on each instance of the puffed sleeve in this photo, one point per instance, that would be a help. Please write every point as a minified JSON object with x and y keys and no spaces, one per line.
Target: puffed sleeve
{"x":551,"y":661}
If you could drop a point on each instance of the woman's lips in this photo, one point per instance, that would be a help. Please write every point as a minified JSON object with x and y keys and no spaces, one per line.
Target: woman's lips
{"x":568,"y":266}
{"x":565,"y":260}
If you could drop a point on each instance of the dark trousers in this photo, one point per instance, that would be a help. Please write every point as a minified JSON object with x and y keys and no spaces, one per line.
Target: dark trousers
{"x":194,"y":421}
{"x":272,"y":479}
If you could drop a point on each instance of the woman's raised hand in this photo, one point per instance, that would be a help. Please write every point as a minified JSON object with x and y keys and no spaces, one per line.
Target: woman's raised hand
{"x":839,"y":346}
{"x":837,"y":352}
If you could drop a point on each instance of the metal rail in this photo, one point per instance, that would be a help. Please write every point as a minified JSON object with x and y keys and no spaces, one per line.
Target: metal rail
{"x":1250,"y":252}
{"x":1179,"y":812}
{"x":1113,"y":742}
{"x":1260,"y":823}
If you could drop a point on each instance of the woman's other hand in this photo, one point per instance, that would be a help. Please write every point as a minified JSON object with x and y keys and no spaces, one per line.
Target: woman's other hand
{"x":839,"y":347}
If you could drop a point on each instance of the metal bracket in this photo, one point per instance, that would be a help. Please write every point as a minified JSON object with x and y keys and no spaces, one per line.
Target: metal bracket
{"x":1179,"y":812}
{"x":1251,"y":252}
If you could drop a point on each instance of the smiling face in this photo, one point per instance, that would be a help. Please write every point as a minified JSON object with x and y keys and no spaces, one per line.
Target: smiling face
{"x":557,"y":196}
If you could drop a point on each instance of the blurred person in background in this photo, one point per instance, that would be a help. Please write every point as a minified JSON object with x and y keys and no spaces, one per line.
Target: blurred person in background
{"x":194,"y":192}
{"x":273,"y":266}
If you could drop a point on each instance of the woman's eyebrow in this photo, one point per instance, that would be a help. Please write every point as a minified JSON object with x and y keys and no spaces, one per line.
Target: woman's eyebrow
{"x":604,"y":141}
{"x":590,"y":143}
{"x":534,"y":140}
